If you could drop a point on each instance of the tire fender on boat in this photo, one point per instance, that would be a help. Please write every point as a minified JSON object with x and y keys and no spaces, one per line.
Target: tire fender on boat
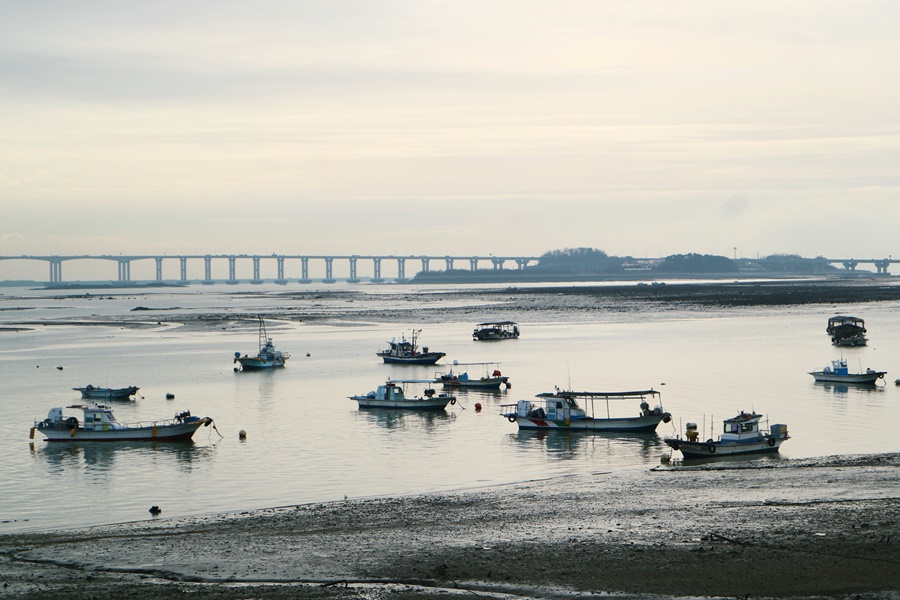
{"x":511,"y":419}
{"x":771,"y":441}
{"x":711,"y":448}
{"x":452,"y":401}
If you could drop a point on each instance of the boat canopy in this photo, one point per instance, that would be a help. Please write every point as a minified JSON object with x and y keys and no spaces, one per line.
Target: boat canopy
{"x":498,"y":323}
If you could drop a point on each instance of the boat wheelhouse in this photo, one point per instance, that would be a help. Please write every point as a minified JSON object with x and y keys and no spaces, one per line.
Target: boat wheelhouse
{"x":560,"y":410}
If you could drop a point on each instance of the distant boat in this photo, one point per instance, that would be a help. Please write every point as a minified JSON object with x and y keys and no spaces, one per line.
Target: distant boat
{"x":847,"y":331}
{"x":498,"y":330}
{"x":839,"y":373}
{"x":561,"y":411}
{"x":407,"y":351}
{"x":99,"y":425}
{"x":393,"y":394}
{"x":491,"y":379}
{"x":741,"y":435}
{"x":90,"y":392}
{"x":267,"y":357}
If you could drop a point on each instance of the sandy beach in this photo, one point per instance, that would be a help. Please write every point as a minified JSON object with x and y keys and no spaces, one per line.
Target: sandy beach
{"x":826,"y":527}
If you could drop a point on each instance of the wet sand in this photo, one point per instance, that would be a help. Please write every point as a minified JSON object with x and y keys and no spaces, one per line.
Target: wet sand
{"x":826,"y":527}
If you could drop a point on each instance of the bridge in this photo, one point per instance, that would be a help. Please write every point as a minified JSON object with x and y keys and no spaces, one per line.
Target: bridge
{"x":279,"y":262}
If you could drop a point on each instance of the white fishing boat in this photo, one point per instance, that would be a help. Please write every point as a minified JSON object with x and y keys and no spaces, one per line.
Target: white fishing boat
{"x":97,"y":424}
{"x":91,"y":392}
{"x":267,"y":357}
{"x":407,"y":351}
{"x":458,"y":376}
{"x":497,"y":330}
{"x":560,"y":410}
{"x":839,"y":373}
{"x":395,"y":394}
{"x":741,"y":435}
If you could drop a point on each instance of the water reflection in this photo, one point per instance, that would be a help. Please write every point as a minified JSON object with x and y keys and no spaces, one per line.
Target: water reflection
{"x":101,"y":457}
{"x":841,"y":389}
{"x":405,"y":419}
{"x":569,"y":444}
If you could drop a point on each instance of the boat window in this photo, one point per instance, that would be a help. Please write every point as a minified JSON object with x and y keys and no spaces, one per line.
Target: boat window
{"x":731,"y":427}
{"x":747,"y":427}
{"x":558,"y":405}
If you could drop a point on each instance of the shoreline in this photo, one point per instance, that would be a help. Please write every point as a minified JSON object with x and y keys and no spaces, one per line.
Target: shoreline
{"x":824,"y":527}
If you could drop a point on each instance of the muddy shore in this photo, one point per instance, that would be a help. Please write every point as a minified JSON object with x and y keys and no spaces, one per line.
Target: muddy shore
{"x":826,"y":527}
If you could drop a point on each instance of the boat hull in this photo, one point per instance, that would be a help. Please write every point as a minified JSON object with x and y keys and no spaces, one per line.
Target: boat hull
{"x":433,"y":403}
{"x":95,"y":393}
{"x":628,"y":424}
{"x":706,"y":449}
{"x":173,"y":432}
{"x":258,"y":364}
{"x":424,"y":358}
{"x":866,"y":378}
{"x":491,"y":383}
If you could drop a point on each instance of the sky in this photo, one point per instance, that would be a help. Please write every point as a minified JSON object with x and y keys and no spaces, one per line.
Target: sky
{"x":641,"y":128}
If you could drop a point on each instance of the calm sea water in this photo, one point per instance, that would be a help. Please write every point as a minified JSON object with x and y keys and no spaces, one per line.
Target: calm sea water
{"x":307,"y":442}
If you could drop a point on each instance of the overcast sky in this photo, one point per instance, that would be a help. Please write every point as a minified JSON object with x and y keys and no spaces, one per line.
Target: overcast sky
{"x":642,"y":128}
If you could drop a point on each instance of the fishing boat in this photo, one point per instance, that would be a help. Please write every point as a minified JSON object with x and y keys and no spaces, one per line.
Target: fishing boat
{"x":267,"y":357}
{"x":458,"y":377}
{"x":394,"y":394}
{"x":560,"y":410}
{"x":839,"y":373}
{"x":741,"y":435}
{"x":99,"y":425}
{"x":407,"y":352}
{"x":498,"y":330}
{"x":847,"y":331}
{"x":90,"y":392}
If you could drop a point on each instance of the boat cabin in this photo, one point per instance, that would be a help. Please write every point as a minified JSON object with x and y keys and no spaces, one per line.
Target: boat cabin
{"x":838,"y":367}
{"x":96,"y":417}
{"x":743,"y":427}
{"x":841,"y":320}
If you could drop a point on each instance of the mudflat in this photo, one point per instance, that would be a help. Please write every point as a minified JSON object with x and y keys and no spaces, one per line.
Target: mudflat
{"x":825,"y":528}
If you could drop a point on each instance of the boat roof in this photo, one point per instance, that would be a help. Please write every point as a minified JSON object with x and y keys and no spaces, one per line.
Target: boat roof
{"x":498,"y":323}
{"x":845,"y":319}
{"x":608,"y":395}
{"x":90,"y":406}
{"x":744,"y":416}
{"x":396,"y":381}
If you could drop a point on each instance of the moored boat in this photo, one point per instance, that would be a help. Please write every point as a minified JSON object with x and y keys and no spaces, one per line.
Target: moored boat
{"x":99,"y":425}
{"x":267,"y":357}
{"x":393,"y":394}
{"x":839,"y":373}
{"x":90,"y":392}
{"x":491,"y":379}
{"x":407,"y":351}
{"x":741,"y":435}
{"x":497,"y":330}
{"x":847,"y":331}
{"x":560,"y":410}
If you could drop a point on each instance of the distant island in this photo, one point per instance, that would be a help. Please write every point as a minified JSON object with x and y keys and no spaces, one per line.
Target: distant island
{"x":588,"y":264}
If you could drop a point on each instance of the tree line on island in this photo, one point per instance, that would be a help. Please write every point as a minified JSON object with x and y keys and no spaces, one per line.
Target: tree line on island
{"x":592,"y":262}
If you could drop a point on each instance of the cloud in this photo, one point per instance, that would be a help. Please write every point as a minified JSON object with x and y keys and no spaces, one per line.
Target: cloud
{"x":735,"y":206}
